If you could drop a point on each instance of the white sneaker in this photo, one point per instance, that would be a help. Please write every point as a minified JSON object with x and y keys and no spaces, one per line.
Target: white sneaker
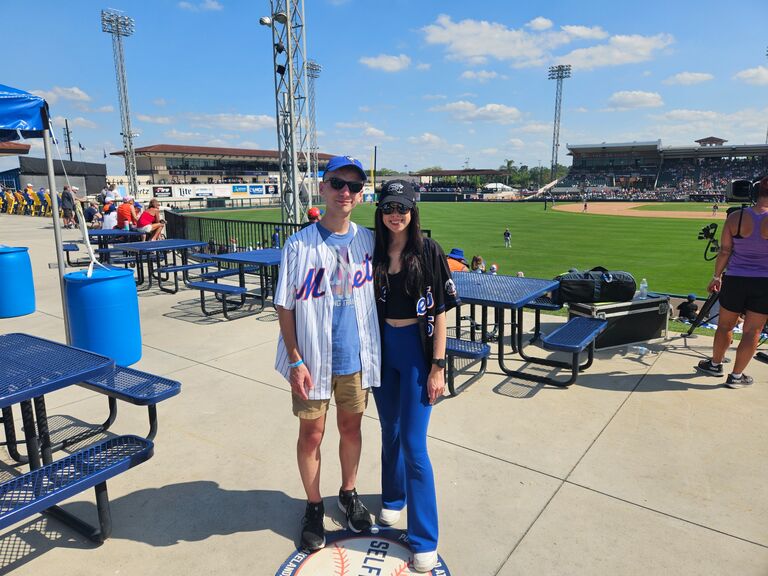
{"x":425,"y":561}
{"x":388,"y":517}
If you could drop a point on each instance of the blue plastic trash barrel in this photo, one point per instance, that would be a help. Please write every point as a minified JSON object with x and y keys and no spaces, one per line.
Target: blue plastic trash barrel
{"x":17,"y":289}
{"x":104,"y":313}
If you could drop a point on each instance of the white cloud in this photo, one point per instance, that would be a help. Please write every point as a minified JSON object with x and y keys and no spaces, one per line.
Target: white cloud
{"x":78,"y":122}
{"x":535,"y":128}
{"x":52,"y":96}
{"x":107,"y":108}
{"x":427,"y":139}
{"x":181,"y":135}
{"x":489,"y":151}
{"x":684,"y":115}
{"x":539,"y":23}
{"x":585,"y":32}
{"x":434,"y":97}
{"x":631,"y":99}
{"x":240,"y":122}
{"x":533,"y":45}
{"x":581,"y":109}
{"x":159,"y":102}
{"x":757,"y":76}
{"x":468,"y":112}
{"x":366,"y":129}
{"x":621,"y":49}
{"x":154,"y":119}
{"x":250,"y":144}
{"x":423,"y":66}
{"x":515,"y":143}
{"x":479,"y":75}
{"x":204,"y":6}
{"x":386,"y":62}
{"x":689,"y":78}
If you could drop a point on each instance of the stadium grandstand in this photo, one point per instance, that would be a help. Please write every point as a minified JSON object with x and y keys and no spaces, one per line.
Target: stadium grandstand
{"x":176,"y":164}
{"x":648,"y":170}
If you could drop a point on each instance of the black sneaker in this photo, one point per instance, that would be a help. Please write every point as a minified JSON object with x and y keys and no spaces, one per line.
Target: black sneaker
{"x":312,"y":529}
{"x":740,"y":382}
{"x":709,"y":368}
{"x":358,"y":517}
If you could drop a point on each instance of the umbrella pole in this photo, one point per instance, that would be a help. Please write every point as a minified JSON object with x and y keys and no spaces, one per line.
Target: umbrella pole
{"x":56,"y":228}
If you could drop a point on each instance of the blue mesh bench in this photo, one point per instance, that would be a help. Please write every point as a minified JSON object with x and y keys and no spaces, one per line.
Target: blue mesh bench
{"x":227,"y":272}
{"x":175,"y":269}
{"x":467,"y":349}
{"x":223,"y":289}
{"x":42,"y":488}
{"x":136,"y":387}
{"x":68,"y":248}
{"x":575,"y":336}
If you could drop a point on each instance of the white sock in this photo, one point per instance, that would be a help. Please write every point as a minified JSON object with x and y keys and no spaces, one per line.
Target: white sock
{"x":736,"y":376}
{"x":715,"y":364}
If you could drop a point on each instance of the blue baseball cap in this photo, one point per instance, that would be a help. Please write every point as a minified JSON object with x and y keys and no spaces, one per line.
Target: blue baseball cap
{"x":339,"y":162}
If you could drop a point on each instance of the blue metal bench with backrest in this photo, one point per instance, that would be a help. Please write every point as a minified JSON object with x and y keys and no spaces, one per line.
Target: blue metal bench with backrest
{"x":468,"y":350}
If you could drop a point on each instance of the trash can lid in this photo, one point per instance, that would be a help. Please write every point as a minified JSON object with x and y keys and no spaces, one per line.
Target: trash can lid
{"x":98,"y":274}
{"x":8,"y":249}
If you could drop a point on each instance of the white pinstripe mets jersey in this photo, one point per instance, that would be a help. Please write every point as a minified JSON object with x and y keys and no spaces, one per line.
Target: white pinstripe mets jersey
{"x":304,"y":286}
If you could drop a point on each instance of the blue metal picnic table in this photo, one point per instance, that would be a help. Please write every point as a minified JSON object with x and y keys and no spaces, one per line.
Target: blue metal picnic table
{"x":505,"y":293}
{"x":154,"y":252}
{"x":265,"y":259}
{"x":107,"y":236}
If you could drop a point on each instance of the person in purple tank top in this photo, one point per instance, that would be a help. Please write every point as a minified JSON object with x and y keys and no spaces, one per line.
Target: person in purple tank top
{"x":741,"y":278}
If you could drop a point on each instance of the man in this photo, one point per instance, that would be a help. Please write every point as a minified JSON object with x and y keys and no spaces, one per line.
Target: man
{"x":68,"y":207}
{"x":507,"y":238}
{"x":456,"y":260}
{"x":329,"y":340}
{"x":126,"y":213}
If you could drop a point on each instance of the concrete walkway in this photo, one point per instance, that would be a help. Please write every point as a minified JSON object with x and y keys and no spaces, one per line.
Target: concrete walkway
{"x":642,"y":467}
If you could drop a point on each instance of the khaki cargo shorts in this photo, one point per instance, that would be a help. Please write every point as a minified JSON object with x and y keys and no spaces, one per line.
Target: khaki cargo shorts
{"x":347,"y":391}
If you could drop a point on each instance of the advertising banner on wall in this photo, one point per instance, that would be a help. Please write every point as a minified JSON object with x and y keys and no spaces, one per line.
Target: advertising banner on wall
{"x":270,"y":188}
{"x":239,"y":190}
{"x":203,"y":191}
{"x":162,"y":191}
{"x":256,"y":189}
{"x":222,"y":190}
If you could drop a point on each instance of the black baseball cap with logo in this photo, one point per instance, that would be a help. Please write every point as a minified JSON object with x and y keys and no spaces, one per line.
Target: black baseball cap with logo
{"x":400,"y":191}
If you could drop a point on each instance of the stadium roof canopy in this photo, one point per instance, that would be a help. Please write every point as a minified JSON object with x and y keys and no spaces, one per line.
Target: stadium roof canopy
{"x":467,"y":173}
{"x":177,"y":150}
{"x":737,"y":151}
{"x":13,"y":148}
{"x":605,"y":147}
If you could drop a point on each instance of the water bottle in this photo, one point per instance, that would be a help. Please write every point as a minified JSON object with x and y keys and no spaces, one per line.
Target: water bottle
{"x":250,"y":248}
{"x":126,"y":226}
{"x":639,"y":350}
{"x":643,"y":293}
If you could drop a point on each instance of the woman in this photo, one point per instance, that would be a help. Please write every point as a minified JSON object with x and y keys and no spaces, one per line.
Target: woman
{"x":149,"y":222}
{"x":414,"y":290}
{"x":477,"y":264}
{"x":744,"y":288}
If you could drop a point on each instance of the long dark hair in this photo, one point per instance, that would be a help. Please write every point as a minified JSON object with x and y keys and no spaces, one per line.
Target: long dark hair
{"x":411,"y":257}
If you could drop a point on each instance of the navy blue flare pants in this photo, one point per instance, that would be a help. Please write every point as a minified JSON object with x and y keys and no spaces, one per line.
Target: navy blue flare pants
{"x":404,"y":410}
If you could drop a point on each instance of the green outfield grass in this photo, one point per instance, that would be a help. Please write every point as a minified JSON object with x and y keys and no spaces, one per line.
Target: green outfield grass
{"x":683,"y":207}
{"x":662,"y":250}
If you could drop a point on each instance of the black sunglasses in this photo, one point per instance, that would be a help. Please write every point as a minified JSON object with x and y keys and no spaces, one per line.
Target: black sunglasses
{"x":338,"y":184}
{"x":390,"y":207}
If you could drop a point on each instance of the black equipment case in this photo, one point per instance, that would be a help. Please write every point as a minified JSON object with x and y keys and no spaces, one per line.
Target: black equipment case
{"x":628,"y":322}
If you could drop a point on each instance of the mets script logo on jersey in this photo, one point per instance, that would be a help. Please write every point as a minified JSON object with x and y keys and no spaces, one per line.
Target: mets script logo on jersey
{"x":385,"y":553}
{"x":312,"y":285}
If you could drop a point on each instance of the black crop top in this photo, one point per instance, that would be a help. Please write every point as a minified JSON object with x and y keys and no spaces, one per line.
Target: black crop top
{"x":399,"y":305}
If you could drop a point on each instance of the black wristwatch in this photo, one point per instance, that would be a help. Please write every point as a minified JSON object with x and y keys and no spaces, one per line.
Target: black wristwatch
{"x":439,"y":362}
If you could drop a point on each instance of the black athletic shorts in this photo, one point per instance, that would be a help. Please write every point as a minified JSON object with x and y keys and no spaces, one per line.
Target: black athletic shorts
{"x":68,"y":212}
{"x":744,"y":294}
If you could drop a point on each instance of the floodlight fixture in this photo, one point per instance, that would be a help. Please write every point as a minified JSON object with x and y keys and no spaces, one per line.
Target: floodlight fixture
{"x":115,"y":22}
{"x":279,"y":47}
{"x":280,"y":69}
{"x":560,"y":71}
{"x":280,"y":17}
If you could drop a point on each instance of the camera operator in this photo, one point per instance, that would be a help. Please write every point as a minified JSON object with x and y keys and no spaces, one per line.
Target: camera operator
{"x":743,"y":290}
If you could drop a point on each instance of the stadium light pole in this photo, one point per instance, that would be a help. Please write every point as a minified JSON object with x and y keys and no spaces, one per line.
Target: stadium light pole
{"x":313,"y":73}
{"x":290,"y":71}
{"x":118,"y":25}
{"x":559,"y":73}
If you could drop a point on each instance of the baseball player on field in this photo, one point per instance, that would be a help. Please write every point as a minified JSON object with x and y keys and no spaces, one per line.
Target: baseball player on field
{"x":329,"y":340}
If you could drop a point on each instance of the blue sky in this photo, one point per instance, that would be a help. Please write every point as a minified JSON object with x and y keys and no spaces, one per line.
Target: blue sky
{"x":429,"y":82}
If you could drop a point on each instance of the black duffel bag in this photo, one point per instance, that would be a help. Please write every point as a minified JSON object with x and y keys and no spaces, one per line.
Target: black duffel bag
{"x":596,"y":285}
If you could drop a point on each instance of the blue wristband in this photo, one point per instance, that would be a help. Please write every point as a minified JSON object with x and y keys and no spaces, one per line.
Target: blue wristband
{"x":296,"y":364}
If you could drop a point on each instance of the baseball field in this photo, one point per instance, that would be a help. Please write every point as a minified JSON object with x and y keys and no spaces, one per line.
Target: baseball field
{"x":664,"y":250}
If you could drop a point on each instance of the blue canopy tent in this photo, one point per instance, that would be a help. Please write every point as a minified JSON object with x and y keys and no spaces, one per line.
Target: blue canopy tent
{"x":24,"y":115}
